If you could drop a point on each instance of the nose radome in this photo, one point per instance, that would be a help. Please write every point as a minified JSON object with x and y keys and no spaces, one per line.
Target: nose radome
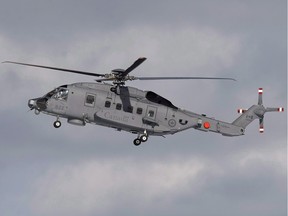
{"x":37,"y":103}
{"x":31,"y":103}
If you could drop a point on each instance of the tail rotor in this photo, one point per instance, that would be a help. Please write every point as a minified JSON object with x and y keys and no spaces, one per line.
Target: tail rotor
{"x":261,"y":117}
{"x":262,"y":110}
{"x":254,"y":112}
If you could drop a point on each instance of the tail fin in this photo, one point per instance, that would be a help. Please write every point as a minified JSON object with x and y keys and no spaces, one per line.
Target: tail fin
{"x":255,"y":112}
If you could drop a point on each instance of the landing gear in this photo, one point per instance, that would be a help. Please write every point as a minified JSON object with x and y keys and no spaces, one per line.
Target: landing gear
{"x":141,"y":138}
{"x":57,"y":123}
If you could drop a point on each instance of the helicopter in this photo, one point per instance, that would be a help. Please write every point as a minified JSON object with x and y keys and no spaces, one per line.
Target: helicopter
{"x":125,"y":108}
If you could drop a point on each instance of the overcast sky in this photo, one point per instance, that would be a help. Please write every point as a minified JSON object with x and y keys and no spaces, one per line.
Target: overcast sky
{"x":98,"y":171}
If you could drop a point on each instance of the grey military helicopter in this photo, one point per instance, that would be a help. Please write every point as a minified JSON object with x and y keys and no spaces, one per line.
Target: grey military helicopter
{"x":144,"y":113}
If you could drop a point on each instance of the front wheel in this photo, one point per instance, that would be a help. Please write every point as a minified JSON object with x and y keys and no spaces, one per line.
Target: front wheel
{"x":144,"y":138}
{"x":57,"y":124}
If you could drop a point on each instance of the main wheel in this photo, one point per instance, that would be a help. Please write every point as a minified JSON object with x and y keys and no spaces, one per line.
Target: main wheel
{"x":137,"y":142}
{"x":144,"y":138}
{"x":57,"y":124}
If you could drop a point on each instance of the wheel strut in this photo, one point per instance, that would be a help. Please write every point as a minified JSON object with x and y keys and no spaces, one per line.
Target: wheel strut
{"x":144,"y":137}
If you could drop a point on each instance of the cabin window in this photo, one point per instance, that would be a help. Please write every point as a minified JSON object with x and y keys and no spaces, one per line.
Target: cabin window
{"x":107,"y":104}
{"x":118,"y":106}
{"x":151,"y":113}
{"x":139,"y":111}
{"x":130,"y":109}
{"x":90,"y":100}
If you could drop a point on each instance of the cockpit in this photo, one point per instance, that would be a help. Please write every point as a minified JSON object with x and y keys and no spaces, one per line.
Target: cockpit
{"x":60,"y":93}
{"x":39,"y":104}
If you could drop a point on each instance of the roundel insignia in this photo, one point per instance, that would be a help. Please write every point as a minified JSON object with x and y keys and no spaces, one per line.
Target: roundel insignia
{"x":172,"y":123}
{"x":206,"y":125}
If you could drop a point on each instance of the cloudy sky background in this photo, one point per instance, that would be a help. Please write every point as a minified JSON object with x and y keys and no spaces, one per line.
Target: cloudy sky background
{"x":97,"y":171}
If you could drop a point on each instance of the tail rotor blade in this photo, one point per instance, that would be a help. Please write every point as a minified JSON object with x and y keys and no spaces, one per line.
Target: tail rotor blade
{"x":261,"y":125}
{"x":278,"y":109}
{"x":260,"y":92}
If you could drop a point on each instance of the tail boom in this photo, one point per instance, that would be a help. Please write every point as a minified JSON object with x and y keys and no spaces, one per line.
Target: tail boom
{"x":237,"y":127}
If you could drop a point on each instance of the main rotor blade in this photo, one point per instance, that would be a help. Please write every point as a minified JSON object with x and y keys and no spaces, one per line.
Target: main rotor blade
{"x":59,"y":69}
{"x":134,"y":65}
{"x":183,"y":78}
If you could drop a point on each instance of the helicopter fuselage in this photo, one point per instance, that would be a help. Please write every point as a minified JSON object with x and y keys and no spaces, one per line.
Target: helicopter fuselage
{"x":126,"y":108}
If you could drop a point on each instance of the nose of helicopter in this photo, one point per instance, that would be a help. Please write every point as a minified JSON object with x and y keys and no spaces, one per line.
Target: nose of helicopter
{"x":39,"y":103}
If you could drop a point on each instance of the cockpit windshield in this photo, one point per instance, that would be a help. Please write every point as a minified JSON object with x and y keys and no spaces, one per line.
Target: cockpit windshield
{"x":60,"y":93}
